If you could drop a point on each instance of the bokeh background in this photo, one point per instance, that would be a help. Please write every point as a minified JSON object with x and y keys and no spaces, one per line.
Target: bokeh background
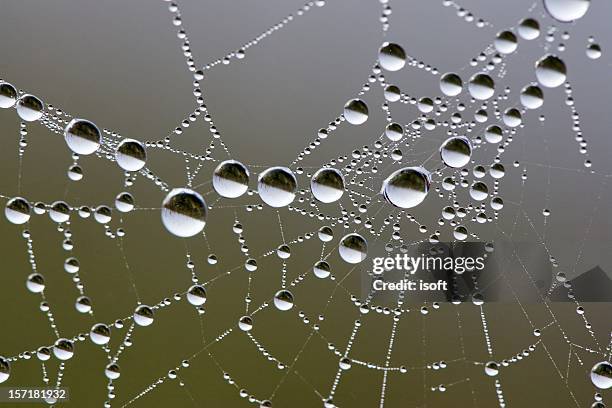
{"x":119,"y":64}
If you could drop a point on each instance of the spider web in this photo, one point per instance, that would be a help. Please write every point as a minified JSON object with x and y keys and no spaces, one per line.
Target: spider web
{"x":336,"y":346}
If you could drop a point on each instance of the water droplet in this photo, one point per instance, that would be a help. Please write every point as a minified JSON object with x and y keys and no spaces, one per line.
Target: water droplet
{"x":567,"y":10}
{"x":481,"y":87}
{"x":75,"y":172}
{"x":283,"y":300}
{"x":451,"y":84}
{"x":59,"y":212}
{"x":407,"y":187}
{"x":479,"y":191}
{"x":5,"y":369}
{"x":394,"y":131}
{"x":327,"y":185}
{"x":392,"y":93}
{"x":143,"y":315}
{"x":494,"y":134}
{"x":124,"y":202}
{"x":391,"y":57}
{"x":82,"y":136}
{"x":529,"y":29}
{"x":356,"y":112}
{"x":196,"y":295}
{"x":8,"y":96}
{"x":35,"y":283}
{"x":276,"y":186}
{"x":131,"y":155}
{"x":63,"y":349}
{"x":321,"y":269}
{"x":245,"y":323}
{"x":17,"y":210}
{"x":112,"y":371}
{"x":593,"y":51}
{"x":103,"y":214}
{"x":460,"y":233}
{"x":184,"y":212}
{"x":601,"y":375}
{"x":512,"y":117}
{"x":30,"y":108}
{"x":230,"y":179}
{"x":491,"y":368}
{"x":456,"y":151}
{"x":532,"y":97}
{"x":551,"y":71}
{"x":506,"y":42}
{"x":353,"y":248}
{"x":326,"y":234}
{"x":100,"y":334}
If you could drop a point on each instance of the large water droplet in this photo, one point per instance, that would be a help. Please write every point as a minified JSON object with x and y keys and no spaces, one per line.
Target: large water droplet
{"x":283,"y":300}
{"x":82,"y":136}
{"x":17,"y":210}
{"x":124,"y":202}
{"x":481,"y":87}
{"x":5,"y":369}
{"x":451,"y":84}
{"x":184,"y":212}
{"x":231,"y":179}
{"x":601,"y":375}
{"x":353,"y":248}
{"x":491,"y":368}
{"x":143,"y":315}
{"x":63,"y":349}
{"x":567,"y":10}
{"x":8,"y":95}
{"x":100,"y":334}
{"x":196,"y":295}
{"x":394,"y":131}
{"x":30,"y":108}
{"x":131,"y":155}
{"x":506,"y":42}
{"x":356,"y":112}
{"x":456,"y":151}
{"x":276,"y":186}
{"x":407,"y":187}
{"x":532,"y":97}
{"x":551,"y":71}
{"x":529,"y":29}
{"x":321,"y":269}
{"x":391,"y":57}
{"x":327,"y":185}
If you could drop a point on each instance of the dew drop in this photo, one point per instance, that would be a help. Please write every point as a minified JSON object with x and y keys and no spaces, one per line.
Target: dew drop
{"x":407,"y":187}
{"x":353,"y":248}
{"x":391,"y":57}
{"x":82,"y":136}
{"x":356,"y":112}
{"x":567,"y":10}
{"x":456,"y":151}
{"x":327,"y":185}
{"x":276,"y":186}
{"x":283,"y":300}
{"x":184,"y":212}
{"x":131,"y":155}
{"x":17,"y":210}
{"x":30,"y":108}
{"x":230,"y":179}
{"x":601,"y":375}
{"x":551,"y":71}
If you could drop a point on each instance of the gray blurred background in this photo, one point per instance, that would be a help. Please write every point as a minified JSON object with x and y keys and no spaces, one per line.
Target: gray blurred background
{"x":119,"y":64}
